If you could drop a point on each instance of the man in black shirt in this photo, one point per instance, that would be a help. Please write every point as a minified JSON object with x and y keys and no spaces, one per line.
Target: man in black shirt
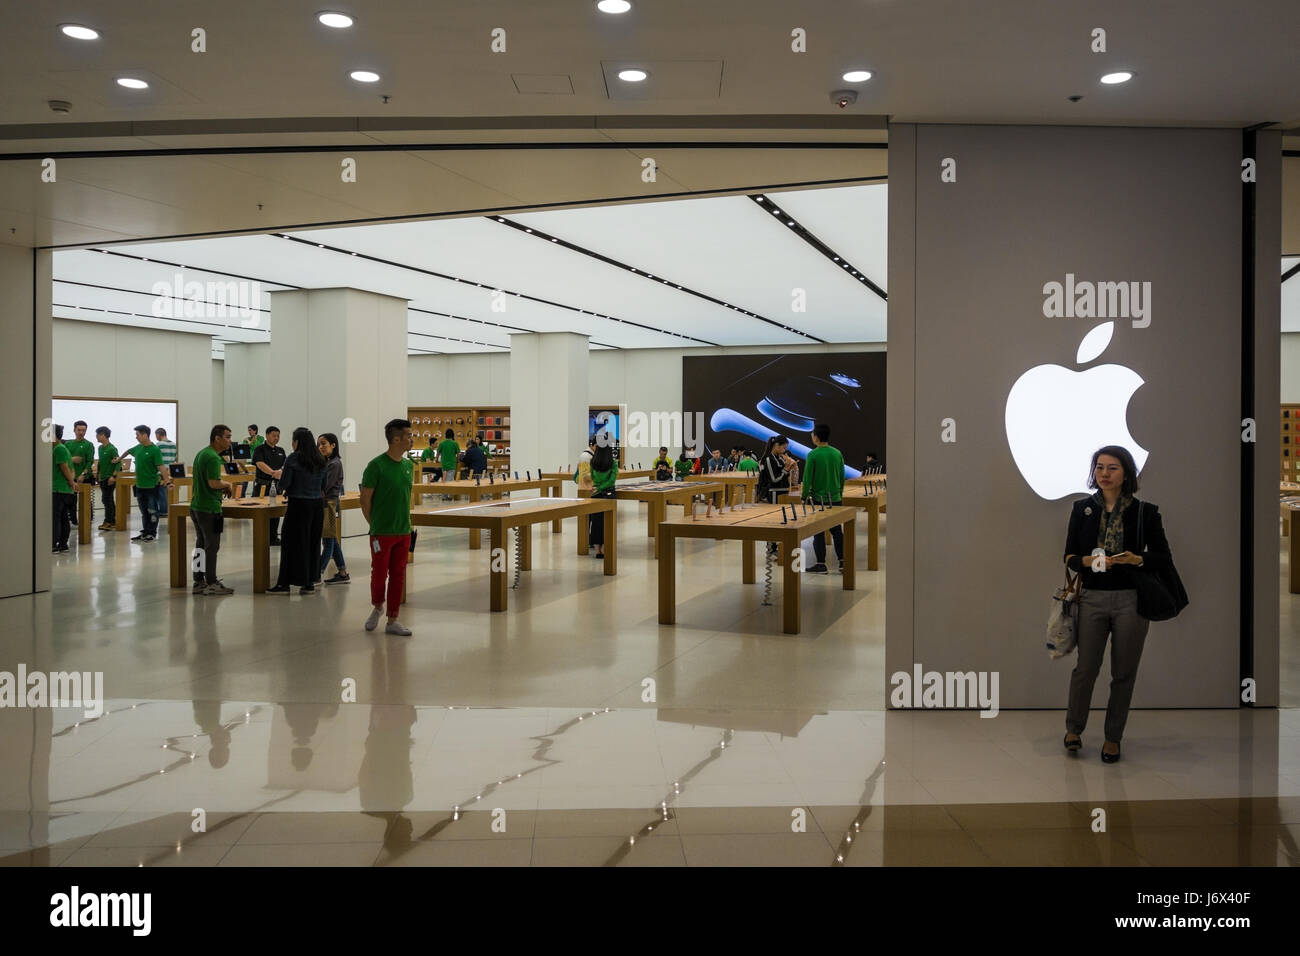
{"x":475,"y":460}
{"x":268,"y":463}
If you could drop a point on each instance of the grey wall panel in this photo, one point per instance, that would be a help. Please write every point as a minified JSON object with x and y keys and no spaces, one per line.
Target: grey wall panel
{"x":1031,"y":204}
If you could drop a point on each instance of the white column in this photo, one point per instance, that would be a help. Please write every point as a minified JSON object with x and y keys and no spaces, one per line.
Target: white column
{"x":337,"y":364}
{"x":548,"y":399}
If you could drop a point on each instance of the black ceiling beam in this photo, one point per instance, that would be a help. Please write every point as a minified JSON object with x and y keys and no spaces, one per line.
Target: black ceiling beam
{"x":644,"y":274}
{"x":772,"y":207}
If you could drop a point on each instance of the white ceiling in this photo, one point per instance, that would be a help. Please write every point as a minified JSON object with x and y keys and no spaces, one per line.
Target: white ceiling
{"x":726,"y":248}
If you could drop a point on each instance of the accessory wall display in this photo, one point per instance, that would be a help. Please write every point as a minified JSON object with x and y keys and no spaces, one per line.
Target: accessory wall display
{"x":465,"y":423}
{"x":1290,"y":433}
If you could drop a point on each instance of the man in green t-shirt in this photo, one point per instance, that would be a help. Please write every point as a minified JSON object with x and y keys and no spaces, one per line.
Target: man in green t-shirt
{"x":386,"y":505}
{"x":205,"y":510}
{"x":430,"y":463}
{"x":151,"y":482}
{"x":254,"y":439}
{"x":448,"y":451}
{"x":83,"y":456}
{"x":746,"y":462}
{"x":64,"y":499}
{"x":823,"y":483}
{"x":105,"y":472}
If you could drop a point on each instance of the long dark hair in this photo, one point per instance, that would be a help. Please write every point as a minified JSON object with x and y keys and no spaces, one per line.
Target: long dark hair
{"x":307,"y":451}
{"x":773,"y":442}
{"x":1131,"y":483}
{"x":334,"y":443}
{"x":602,"y":459}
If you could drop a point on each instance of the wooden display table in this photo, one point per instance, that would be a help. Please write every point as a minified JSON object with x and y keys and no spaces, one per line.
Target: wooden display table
{"x":123,"y":484}
{"x":622,"y":474}
{"x":478,"y":489}
{"x":497,"y":517}
{"x":260,"y":511}
{"x":866,"y":480}
{"x":740,"y":485}
{"x":854,"y":498}
{"x":1287,"y":505}
{"x":658,"y":495}
{"x":750,"y":526}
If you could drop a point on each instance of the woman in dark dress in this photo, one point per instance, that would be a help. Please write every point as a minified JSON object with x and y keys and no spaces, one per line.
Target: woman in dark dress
{"x":303,"y":482}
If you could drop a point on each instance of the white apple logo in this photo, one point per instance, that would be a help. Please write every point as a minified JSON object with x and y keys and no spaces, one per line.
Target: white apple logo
{"x":1056,"y":418}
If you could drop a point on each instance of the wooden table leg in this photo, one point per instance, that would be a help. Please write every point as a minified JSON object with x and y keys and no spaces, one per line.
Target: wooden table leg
{"x":850,"y":557}
{"x":475,"y":539}
{"x":652,"y":518}
{"x":84,"y":501}
{"x":122,"y":495}
{"x":873,"y":534}
{"x":261,"y":552}
{"x":667,"y":576}
{"x":748,"y":562}
{"x":525,"y":532}
{"x":556,"y":526}
{"x":791,"y":580}
{"x":176,"y":546}
{"x":498,"y":580}
{"x":611,"y":538}
{"x":584,"y":544}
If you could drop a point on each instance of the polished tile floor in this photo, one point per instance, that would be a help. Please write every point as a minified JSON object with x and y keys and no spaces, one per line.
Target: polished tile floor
{"x":524,"y":738}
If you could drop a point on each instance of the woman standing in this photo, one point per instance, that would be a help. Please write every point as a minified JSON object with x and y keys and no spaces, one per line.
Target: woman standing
{"x":1099,"y":545}
{"x":332,"y":526}
{"x":302,"y":479}
{"x":774,"y":471}
{"x":604,"y":475}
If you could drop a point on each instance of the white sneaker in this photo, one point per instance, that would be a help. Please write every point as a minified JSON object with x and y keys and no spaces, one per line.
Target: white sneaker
{"x":397,"y":627}
{"x":372,"y":621}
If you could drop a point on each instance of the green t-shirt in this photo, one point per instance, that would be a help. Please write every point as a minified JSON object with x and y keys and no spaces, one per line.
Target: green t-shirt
{"x":683,"y":467}
{"x":747,"y":464}
{"x":604,"y":480}
{"x":207,"y":465}
{"x":390,"y":508}
{"x":87,"y":452}
{"x":168,"y":451}
{"x":253,"y":443}
{"x":148,"y":460}
{"x":62,"y":457}
{"x":107,"y":452}
{"x":428,"y":454}
{"x":823,"y":475}
{"x":447,"y":451}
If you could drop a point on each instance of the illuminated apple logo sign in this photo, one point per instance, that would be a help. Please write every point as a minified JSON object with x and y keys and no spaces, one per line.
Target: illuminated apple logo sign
{"x":1056,"y":418}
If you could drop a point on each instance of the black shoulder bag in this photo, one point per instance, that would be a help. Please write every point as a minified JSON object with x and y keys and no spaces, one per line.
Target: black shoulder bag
{"x":1160,"y":592}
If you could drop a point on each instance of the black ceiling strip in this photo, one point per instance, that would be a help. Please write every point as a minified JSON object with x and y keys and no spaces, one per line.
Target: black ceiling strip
{"x":154,"y":152}
{"x":155,"y":318}
{"x":177,"y":265}
{"x":448,"y":338}
{"x":485,"y":211}
{"x":590,"y":253}
{"x":1290,"y":272}
{"x":499,"y":325}
{"x":110,"y":288}
{"x":772,"y":207}
{"x":494,"y":288}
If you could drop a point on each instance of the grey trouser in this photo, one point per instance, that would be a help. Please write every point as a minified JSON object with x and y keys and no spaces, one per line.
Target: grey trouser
{"x":207,"y":538}
{"x":1104,"y":614}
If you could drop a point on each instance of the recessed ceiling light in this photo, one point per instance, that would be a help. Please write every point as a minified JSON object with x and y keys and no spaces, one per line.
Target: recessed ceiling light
{"x":364,"y":76}
{"x":857,"y":76}
{"x":632,"y":76}
{"x":131,"y":83}
{"x":1112,"y":78}
{"x":78,"y":32}
{"x":613,"y":6}
{"x":339,"y":21}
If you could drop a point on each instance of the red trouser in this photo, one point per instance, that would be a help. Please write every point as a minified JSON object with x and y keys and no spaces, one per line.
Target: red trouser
{"x":388,"y":560}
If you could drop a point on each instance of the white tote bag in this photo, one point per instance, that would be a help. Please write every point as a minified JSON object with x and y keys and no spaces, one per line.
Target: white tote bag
{"x":1063,"y":618}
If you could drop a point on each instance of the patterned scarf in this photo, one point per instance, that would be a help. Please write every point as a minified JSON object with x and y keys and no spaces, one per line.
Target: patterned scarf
{"x":1110,"y":530}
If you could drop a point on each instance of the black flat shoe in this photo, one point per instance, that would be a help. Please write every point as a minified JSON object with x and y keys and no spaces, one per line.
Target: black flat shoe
{"x":1110,"y":758}
{"x":1075,"y":745}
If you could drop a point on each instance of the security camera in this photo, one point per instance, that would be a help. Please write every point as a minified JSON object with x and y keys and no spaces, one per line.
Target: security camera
{"x":844,"y":98}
